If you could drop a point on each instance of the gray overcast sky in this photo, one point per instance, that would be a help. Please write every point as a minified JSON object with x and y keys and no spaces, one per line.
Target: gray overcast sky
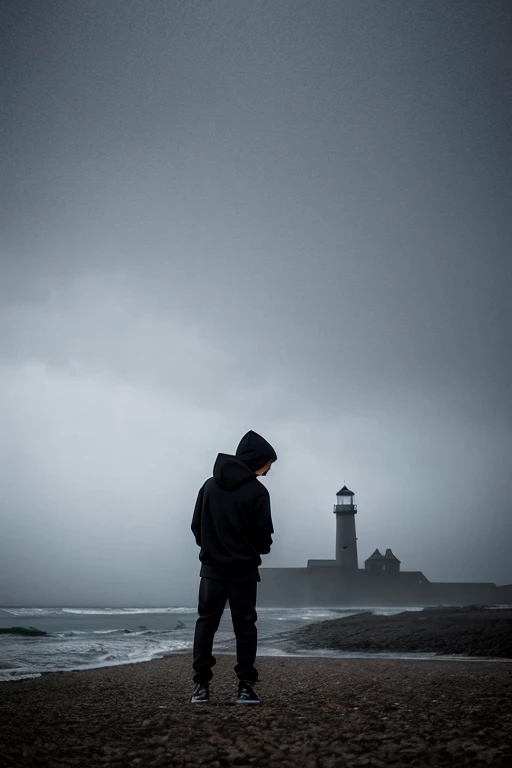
{"x":293,"y":217}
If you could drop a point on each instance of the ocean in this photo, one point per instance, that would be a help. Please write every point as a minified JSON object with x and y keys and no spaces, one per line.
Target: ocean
{"x":86,"y":638}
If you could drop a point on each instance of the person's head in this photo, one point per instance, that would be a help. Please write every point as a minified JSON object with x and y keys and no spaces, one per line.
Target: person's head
{"x":256,"y":453}
{"x":264,"y":469}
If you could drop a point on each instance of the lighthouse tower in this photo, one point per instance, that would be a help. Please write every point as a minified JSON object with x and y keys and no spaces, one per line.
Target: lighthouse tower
{"x":346,"y":543}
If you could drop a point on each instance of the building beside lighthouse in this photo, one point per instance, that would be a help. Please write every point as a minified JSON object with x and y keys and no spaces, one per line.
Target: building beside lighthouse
{"x":378,"y":562}
{"x":340,"y":581}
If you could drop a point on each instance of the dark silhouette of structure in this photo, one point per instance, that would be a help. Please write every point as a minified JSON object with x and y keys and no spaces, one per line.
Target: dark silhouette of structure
{"x":340,"y":582}
{"x":378,"y":562}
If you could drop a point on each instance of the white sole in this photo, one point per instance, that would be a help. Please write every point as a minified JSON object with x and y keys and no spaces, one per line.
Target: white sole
{"x":248,"y":702}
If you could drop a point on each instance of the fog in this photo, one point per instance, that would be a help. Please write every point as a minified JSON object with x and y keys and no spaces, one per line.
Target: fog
{"x":291,"y":217}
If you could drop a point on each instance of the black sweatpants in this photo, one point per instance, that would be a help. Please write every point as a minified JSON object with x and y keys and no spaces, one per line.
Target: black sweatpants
{"x":212,"y":601}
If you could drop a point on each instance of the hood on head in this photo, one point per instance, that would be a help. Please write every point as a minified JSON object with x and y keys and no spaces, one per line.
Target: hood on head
{"x":254,"y":451}
{"x":230,"y":473}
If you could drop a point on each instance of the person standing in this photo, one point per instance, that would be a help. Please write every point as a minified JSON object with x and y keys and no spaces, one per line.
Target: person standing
{"x":232,"y":524}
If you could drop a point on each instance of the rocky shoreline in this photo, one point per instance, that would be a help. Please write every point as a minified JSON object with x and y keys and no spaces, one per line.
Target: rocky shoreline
{"x":471,"y":631}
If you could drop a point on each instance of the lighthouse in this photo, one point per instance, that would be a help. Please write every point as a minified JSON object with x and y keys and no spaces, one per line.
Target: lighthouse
{"x":346,"y":543}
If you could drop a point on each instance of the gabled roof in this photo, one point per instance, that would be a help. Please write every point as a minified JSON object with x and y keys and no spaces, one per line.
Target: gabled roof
{"x":376,"y":556}
{"x":345,"y":492}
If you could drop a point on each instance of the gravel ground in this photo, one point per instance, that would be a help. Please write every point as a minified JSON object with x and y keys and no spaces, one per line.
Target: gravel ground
{"x":325,"y":713}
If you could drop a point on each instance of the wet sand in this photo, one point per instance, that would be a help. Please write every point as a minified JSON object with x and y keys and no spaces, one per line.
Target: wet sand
{"x":317,"y":713}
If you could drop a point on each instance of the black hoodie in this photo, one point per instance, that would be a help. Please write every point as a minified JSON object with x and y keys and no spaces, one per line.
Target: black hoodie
{"x":232,"y":522}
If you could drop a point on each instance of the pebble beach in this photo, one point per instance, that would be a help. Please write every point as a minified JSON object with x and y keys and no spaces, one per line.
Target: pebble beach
{"x":325,"y":713}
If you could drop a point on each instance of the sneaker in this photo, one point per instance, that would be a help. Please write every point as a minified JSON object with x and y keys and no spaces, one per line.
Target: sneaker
{"x":201,"y":694}
{"x":247,"y":694}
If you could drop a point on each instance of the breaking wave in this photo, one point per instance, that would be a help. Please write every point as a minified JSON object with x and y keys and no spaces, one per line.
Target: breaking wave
{"x":93,"y":611}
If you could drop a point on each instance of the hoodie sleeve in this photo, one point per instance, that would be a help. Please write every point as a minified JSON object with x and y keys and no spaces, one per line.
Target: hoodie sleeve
{"x":263,"y":528}
{"x":196,"y":519}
